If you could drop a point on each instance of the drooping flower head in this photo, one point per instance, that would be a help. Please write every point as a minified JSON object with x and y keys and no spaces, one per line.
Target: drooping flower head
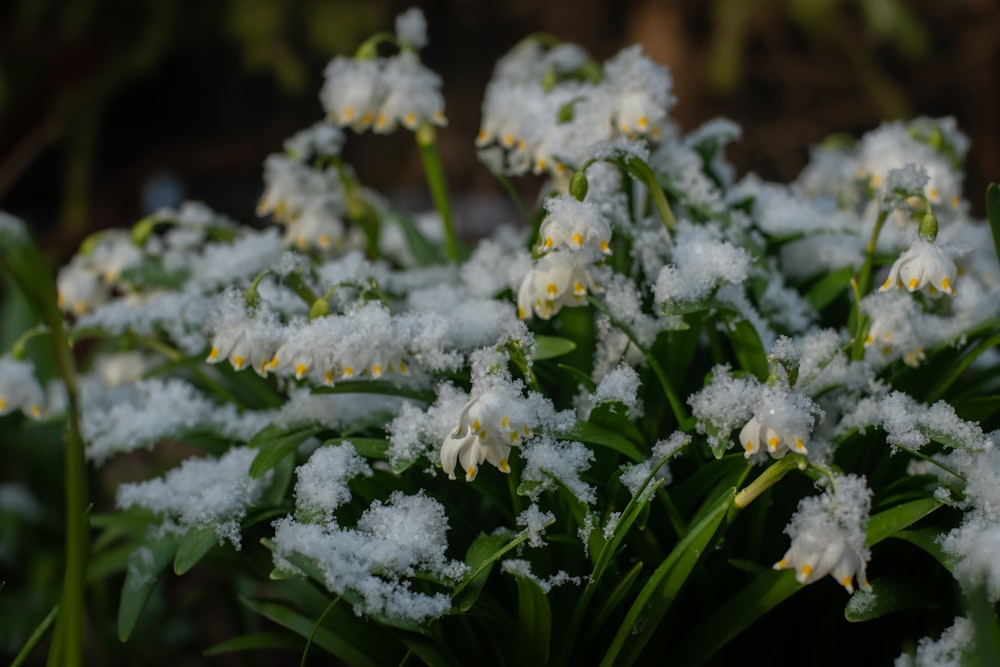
{"x":828,"y":535}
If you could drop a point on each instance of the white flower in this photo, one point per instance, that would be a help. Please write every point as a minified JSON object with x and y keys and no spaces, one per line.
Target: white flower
{"x":318,"y":226}
{"x":560,"y":278}
{"x":489,"y":425}
{"x":642,"y":89}
{"x":245,"y":339}
{"x":412,"y":94}
{"x":924,"y":266}
{"x":828,"y":535}
{"x":352,"y":92}
{"x":79,"y":287}
{"x":573,"y":224}
{"x":411,"y":28}
{"x":19,"y":390}
{"x":781,"y":423}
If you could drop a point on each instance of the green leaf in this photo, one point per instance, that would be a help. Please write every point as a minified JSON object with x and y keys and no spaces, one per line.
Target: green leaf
{"x":382,"y":387}
{"x":829,"y":287}
{"x":370,"y":448}
{"x":336,"y":643}
{"x":735,"y":615}
{"x":747,"y":347}
{"x":598,"y":435}
{"x":534,"y":622}
{"x":993,"y":213}
{"x":549,"y":347}
{"x":889,"y":594}
{"x":275,"y":441}
{"x":665,"y":583}
{"x":195,"y":544}
{"x":982,"y":613}
{"x":425,"y":252}
{"x":582,"y":378}
{"x":426,"y":649}
{"x":478,"y":554}
{"x":256,"y":641}
{"x":886,"y":523}
{"x":613,"y":599}
{"x":153,"y":274}
{"x":487,"y":562}
{"x":144,"y":570}
{"x":928,"y":539}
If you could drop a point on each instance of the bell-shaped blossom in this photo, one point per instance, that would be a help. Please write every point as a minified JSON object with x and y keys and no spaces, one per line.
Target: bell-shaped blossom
{"x":782,"y":422}
{"x":925,"y":266}
{"x":560,"y":278}
{"x":412,"y":94}
{"x":642,"y":89}
{"x":489,"y":425}
{"x":828,"y":535}
{"x":573,"y":224}
{"x":19,"y":390}
{"x":352,"y":92}
{"x":244,"y":338}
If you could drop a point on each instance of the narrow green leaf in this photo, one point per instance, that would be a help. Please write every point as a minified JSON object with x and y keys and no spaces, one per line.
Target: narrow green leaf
{"x":488,"y":561}
{"x":734,"y":616}
{"x":993,"y":213}
{"x":36,"y":636}
{"x":195,"y":544}
{"x":426,"y":649}
{"x":425,"y":252}
{"x":256,"y":641}
{"x":982,"y":613}
{"x":928,"y":539}
{"x":747,"y":347}
{"x":829,"y":287}
{"x":275,"y":441}
{"x":274,"y":495}
{"x":382,"y":387}
{"x":614,"y":598}
{"x":664,"y":584}
{"x":582,"y":378}
{"x":370,"y":448}
{"x":886,"y":523}
{"x":337,"y":643}
{"x":549,"y":347}
{"x":534,"y":622}
{"x":481,"y":549}
{"x":888,"y":595}
{"x":144,"y":570}
{"x":598,"y":435}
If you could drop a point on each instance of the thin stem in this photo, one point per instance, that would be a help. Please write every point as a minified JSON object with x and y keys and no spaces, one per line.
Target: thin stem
{"x":426,"y":142}
{"x":71,"y":622}
{"x":312,"y":635}
{"x":766,"y":480}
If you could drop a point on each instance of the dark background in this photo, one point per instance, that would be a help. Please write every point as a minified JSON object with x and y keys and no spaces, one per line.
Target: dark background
{"x":97,"y":97}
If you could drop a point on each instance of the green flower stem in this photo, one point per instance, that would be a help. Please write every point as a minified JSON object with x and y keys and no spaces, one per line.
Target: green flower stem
{"x":71,"y":623}
{"x":426,"y":142}
{"x":765,"y":481}
{"x":36,"y":636}
{"x":298,"y":285}
{"x":661,"y":375}
{"x":19,"y":350}
{"x":862,"y":281}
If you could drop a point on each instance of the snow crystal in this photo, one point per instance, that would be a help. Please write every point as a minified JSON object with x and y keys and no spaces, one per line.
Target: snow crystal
{"x":546,"y":458}
{"x":321,"y":485}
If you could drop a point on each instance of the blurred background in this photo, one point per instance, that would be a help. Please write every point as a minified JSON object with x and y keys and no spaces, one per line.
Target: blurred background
{"x":111,"y":107}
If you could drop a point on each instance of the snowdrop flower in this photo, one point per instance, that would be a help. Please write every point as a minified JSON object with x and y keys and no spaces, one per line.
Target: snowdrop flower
{"x":642,"y":89}
{"x":412,"y":95}
{"x":573,"y":224}
{"x":79,"y":287}
{"x":781,"y":423}
{"x":319,"y":226}
{"x":489,"y":425}
{"x":894,"y":331}
{"x":828,"y":535}
{"x":243,"y":338}
{"x":559,"y":279}
{"x":924,"y":266}
{"x":322,"y":138}
{"x":19,"y":390}
{"x":114,"y":253}
{"x":352,"y":92}
{"x":411,"y":29}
